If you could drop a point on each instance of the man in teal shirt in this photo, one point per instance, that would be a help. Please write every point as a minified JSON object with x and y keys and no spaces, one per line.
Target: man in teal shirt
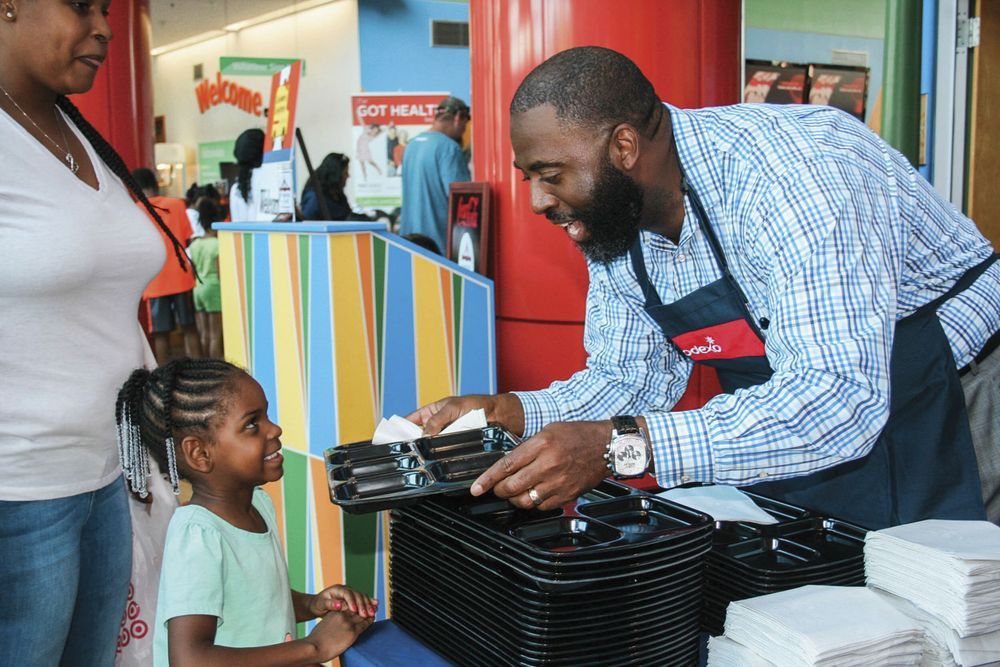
{"x":432,"y":161}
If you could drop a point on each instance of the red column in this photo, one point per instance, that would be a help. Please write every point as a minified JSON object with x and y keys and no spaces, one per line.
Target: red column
{"x":689,"y":49}
{"x":120,"y":105}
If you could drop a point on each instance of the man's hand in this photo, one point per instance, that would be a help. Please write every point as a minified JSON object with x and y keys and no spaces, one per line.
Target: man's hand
{"x":560,"y":462}
{"x":502,"y":409}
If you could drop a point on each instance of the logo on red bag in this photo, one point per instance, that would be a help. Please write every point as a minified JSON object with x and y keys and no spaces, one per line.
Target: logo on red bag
{"x":710,"y":347}
{"x":729,"y":340}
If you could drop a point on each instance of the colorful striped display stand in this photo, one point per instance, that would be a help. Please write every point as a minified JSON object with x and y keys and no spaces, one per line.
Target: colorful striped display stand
{"x":342,"y":323}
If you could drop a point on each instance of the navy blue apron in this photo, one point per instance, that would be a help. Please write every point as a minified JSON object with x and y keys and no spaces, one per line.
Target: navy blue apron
{"x":923,"y":464}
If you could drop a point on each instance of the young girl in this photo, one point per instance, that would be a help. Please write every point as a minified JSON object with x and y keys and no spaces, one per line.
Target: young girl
{"x":224,"y":595}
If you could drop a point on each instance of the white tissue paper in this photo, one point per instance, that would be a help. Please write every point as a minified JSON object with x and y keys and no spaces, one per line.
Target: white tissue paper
{"x":722,"y":503}
{"x":400,"y":429}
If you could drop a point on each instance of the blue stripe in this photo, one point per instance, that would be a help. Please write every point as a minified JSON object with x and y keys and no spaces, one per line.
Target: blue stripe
{"x":262,"y":354}
{"x":399,"y":388}
{"x":322,"y":389}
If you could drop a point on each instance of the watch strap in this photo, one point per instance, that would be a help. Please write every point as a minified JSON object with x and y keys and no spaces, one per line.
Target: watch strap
{"x":624,"y":424}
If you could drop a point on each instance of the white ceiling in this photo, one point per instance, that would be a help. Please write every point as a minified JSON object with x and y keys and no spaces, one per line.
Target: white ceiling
{"x":174,"y":20}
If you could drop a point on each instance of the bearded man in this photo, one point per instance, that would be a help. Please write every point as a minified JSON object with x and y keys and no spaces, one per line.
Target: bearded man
{"x":843,"y":303}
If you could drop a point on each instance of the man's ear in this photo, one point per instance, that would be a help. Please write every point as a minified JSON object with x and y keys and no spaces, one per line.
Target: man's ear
{"x":624,"y":147}
{"x":196,"y":454}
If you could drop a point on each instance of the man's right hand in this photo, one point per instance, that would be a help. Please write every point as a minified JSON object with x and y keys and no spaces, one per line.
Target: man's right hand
{"x":503,"y":409}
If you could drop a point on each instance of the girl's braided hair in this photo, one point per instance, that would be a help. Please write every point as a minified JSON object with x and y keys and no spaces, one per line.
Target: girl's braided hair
{"x":183,"y":397}
{"x":110,"y":156}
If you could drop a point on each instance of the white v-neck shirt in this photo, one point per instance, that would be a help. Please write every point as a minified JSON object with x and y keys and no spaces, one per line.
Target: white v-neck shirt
{"x":73,"y":264}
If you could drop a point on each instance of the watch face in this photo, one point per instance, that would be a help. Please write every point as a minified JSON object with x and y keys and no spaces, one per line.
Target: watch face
{"x":630,"y":455}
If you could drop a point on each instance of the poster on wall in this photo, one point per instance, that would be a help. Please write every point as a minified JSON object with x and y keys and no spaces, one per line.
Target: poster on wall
{"x":274,"y":180}
{"x":384,"y":123}
{"x":774,"y":82}
{"x":839,"y":86}
{"x":469,"y":225}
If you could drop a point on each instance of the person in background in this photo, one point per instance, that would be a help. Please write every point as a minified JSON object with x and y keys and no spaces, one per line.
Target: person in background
{"x":74,"y":259}
{"x":169,"y":295}
{"x":432,"y":162}
{"x":331,"y":177}
{"x":425,"y":242}
{"x":224,"y":594}
{"x":843,"y":303}
{"x":191,"y":197}
{"x":249,"y":154}
{"x":204,"y":253}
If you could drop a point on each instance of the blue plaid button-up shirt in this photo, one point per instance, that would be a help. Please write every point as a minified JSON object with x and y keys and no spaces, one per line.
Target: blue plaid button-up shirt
{"x":833,"y":237}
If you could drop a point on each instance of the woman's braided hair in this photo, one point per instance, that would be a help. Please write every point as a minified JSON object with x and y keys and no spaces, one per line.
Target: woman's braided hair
{"x":110,"y":156}
{"x":183,"y":397}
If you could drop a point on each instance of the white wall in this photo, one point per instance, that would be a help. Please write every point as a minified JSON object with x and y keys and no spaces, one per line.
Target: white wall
{"x":325,"y":37}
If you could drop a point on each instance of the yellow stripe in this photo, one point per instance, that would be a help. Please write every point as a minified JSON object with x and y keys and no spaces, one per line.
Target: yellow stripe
{"x":433,"y":376}
{"x":355,"y":393}
{"x":287,"y":366}
{"x":233,"y":317}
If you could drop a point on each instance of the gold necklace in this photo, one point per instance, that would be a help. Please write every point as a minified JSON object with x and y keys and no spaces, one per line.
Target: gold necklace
{"x":71,"y":162}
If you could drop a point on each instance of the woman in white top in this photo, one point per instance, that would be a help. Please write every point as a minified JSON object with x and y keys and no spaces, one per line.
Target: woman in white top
{"x":249,"y":153}
{"x":75,"y":255}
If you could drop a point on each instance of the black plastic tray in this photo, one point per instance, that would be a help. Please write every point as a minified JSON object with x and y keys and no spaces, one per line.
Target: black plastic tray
{"x":491,"y":650}
{"x":535,"y":567}
{"x":366,"y":478}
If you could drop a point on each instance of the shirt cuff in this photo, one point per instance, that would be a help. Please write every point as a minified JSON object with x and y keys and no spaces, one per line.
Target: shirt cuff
{"x":540,"y":409}
{"x":681,"y":447}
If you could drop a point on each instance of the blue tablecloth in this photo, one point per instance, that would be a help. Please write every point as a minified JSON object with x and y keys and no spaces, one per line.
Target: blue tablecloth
{"x":385,"y":644}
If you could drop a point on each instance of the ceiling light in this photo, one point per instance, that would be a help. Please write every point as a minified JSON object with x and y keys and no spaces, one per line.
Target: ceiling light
{"x":189,"y":41}
{"x":276,"y":14}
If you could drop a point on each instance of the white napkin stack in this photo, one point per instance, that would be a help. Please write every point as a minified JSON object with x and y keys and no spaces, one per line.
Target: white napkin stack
{"x":823,"y":625}
{"x":399,"y":429}
{"x":950,"y":569}
{"x":724,"y":652}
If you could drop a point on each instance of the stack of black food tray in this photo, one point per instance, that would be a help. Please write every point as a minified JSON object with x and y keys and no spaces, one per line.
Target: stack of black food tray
{"x":364,"y":477}
{"x":803,"y":548}
{"x":614,"y":578}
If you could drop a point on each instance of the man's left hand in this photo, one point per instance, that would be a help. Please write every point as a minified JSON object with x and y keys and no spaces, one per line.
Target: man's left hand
{"x":559,"y":463}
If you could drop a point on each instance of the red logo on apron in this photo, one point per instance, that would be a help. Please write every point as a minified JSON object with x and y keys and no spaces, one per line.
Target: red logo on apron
{"x":731,"y":340}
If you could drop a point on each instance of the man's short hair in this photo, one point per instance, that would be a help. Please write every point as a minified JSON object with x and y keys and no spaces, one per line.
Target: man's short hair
{"x":451,"y":106}
{"x":591,"y":86}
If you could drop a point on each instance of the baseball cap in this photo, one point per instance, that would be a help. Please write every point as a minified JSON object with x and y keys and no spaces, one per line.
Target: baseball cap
{"x":454,"y":105}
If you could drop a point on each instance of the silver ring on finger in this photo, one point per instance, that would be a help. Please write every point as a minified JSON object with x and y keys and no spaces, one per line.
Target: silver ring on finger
{"x":536,"y":498}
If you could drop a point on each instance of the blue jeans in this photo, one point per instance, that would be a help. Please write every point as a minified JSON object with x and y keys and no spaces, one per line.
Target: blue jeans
{"x":64,"y":573}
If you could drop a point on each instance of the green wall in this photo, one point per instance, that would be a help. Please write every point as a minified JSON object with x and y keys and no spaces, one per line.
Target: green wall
{"x":859,"y":18}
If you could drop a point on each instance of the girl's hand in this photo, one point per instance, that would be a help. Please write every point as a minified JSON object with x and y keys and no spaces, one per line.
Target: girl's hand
{"x":342,"y":598}
{"x":335,"y":633}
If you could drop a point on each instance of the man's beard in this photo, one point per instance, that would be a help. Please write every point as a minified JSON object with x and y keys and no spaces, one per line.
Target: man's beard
{"x":612,"y":216}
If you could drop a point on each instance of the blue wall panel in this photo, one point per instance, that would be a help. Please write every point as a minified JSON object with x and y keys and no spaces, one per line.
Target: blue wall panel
{"x":396,"y":54}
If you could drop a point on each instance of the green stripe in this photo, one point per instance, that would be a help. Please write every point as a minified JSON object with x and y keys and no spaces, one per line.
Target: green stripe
{"x":296,"y":494}
{"x":360,"y":531}
{"x":378,"y":273}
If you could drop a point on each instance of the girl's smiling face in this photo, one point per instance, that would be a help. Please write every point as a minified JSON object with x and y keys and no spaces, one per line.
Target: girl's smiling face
{"x":247,"y":448}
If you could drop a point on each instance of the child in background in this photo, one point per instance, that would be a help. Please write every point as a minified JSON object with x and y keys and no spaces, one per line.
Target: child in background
{"x":224,"y":595}
{"x":204,"y":252}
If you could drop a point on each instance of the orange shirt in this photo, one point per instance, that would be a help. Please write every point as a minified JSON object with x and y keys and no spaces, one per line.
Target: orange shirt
{"x":171,"y":279}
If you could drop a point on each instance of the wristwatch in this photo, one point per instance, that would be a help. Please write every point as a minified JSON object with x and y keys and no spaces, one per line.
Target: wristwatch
{"x":628,"y":454}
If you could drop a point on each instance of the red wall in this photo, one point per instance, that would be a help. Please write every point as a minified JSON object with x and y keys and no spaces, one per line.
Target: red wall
{"x":689,"y":49}
{"x":120,"y":105}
